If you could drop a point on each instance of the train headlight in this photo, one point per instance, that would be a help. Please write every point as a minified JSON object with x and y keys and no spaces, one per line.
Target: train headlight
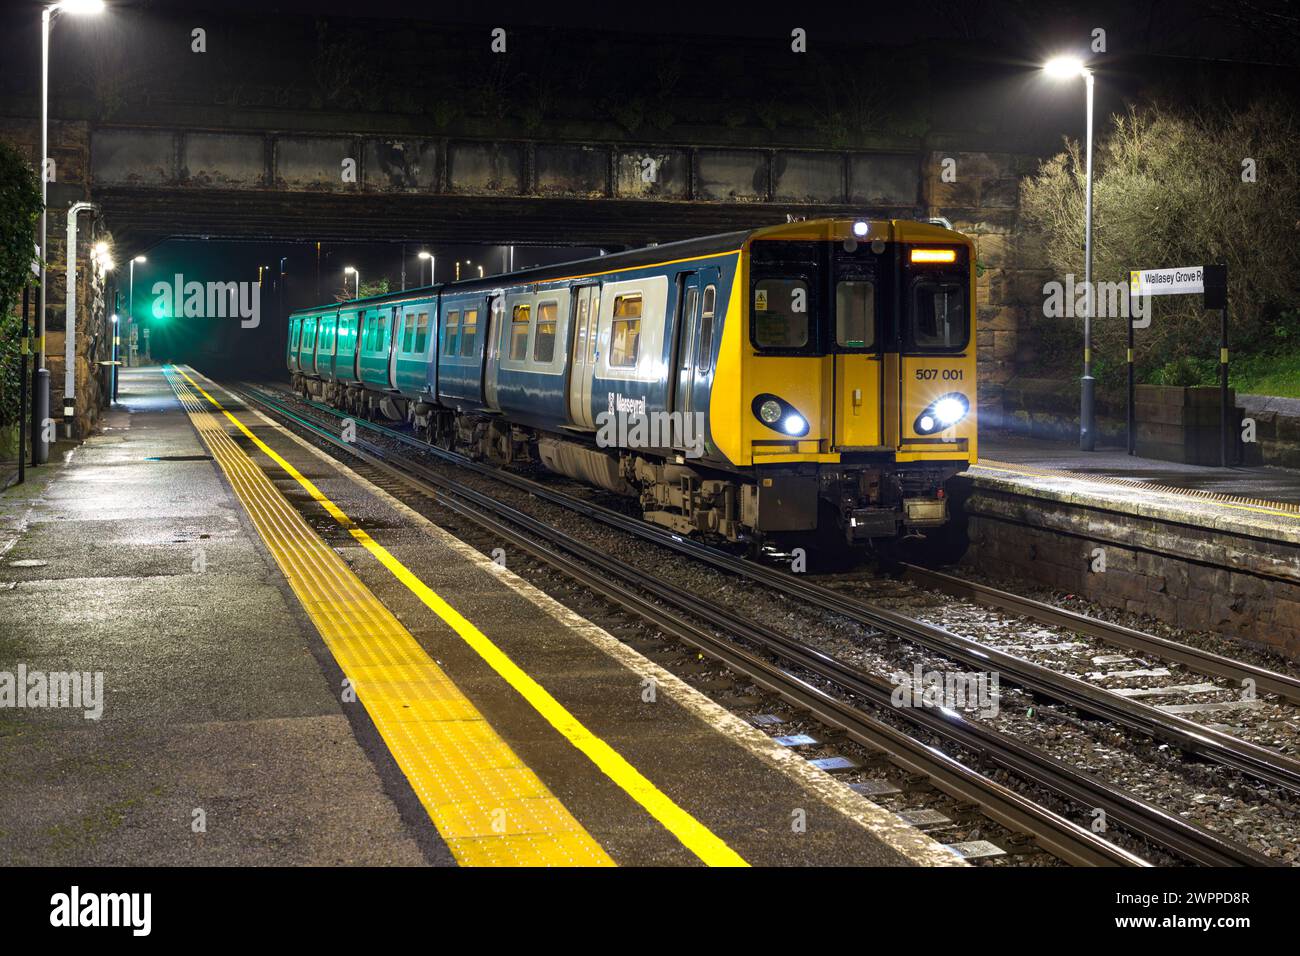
{"x":944,"y":412}
{"x":778,"y":414}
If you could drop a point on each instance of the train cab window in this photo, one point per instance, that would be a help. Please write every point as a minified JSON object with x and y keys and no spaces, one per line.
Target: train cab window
{"x":519,"y":317}
{"x":781,"y":313}
{"x":544,"y":341}
{"x":855,"y":314}
{"x":625,"y":331}
{"x":451,"y":346}
{"x":421,"y":333}
{"x":469,"y":332}
{"x":707,"y":307}
{"x":939,"y":315}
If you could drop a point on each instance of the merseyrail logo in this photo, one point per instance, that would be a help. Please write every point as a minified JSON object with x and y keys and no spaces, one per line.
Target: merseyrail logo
{"x":627,"y":424}
{"x":74,"y":908}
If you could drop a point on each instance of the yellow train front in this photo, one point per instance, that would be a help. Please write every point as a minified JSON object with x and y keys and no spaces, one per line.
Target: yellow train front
{"x":854,"y":368}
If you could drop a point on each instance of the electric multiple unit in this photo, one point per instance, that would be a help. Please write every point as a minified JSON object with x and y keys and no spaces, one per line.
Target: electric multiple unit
{"x":803,"y":383}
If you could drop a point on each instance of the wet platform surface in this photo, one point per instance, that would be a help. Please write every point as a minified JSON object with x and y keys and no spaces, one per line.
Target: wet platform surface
{"x":1256,"y":481}
{"x":1257,"y":501}
{"x":227,"y":734}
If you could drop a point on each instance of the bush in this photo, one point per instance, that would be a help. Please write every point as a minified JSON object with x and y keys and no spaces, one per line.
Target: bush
{"x":1168,"y":191}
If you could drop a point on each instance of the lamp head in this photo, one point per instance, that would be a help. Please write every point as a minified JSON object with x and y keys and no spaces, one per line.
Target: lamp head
{"x":1065,"y":67}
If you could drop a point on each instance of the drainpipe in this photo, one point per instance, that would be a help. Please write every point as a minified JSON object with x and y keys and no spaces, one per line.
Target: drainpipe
{"x":70,"y":335}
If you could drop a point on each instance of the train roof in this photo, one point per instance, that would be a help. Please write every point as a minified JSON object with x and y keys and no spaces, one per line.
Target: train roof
{"x":812,"y":229}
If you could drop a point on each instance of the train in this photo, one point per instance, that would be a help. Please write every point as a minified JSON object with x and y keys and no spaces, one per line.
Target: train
{"x":804,"y":384}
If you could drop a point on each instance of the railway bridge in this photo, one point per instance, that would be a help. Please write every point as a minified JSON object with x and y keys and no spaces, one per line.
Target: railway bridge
{"x":157,"y":182}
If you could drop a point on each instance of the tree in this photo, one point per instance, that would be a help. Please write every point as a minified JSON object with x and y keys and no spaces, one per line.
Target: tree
{"x":20,"y":207}
{"x":1174,"y":189}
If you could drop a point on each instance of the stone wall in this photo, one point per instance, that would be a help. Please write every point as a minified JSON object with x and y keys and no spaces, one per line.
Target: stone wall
{"x":982,"y":200}
{"x":70,"y":148}
{"x":1245,"y":586}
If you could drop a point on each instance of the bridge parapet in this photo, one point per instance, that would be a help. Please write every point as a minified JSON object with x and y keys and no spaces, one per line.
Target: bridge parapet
{"x":195,"y":159}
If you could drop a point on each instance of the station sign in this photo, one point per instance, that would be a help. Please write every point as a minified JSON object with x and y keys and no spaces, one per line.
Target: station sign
{"x":1185,"y":280}
{"x":1210,"y":281}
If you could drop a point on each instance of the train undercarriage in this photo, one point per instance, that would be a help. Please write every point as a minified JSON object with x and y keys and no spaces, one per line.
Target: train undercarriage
{"x":810,"y":505}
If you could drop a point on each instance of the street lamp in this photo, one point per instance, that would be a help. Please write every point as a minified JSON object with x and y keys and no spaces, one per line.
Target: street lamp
{"x":1069,"y":68}
{"x":349,"y":270}
{"x":77,"y":8}
{"x":433,"y":261}
{"x":130,"y":299}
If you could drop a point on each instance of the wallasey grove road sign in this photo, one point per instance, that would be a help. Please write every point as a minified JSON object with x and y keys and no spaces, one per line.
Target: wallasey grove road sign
{"x":1184,"y":280}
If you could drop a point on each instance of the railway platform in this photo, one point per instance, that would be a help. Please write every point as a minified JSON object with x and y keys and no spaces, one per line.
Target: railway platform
{"x":278,"y":662}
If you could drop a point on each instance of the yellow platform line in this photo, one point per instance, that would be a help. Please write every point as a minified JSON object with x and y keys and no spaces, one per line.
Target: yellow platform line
{"x":694,"y":835}
{"x":491,"y":809}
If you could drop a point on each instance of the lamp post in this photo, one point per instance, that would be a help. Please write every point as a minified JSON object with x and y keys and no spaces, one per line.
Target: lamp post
{"x":1064,"y":68}
{"x":130,"y":308}
{"x":349,"y":270}
{"x":433,"y":261}
{"x":47,"y":22}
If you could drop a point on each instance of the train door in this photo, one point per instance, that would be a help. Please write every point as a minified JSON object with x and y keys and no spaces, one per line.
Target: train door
{"x":496,"y":307}
{"x":856,"y":392}
{"x":295,"y":330}
{"x":394,"y":342}
{"x":586,"y":302}
{"x":687,"y":329}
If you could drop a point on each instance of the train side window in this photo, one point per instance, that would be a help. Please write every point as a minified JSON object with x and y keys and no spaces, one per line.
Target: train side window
{"x":707,"y":307}
{"x":421,"y":333}
{"x":408,"y":332}
{"x":855,"y":314}
{"x":781,"y":312}
{"x":939,"y":315}
{"x":370,"y":332}
{"x":625,"y":331}
{"x":469,"y":332}
{"x":451,"y":346}
{"x":519,"y":319}
{"x":593,"y":339}
{"x":544,"y":341}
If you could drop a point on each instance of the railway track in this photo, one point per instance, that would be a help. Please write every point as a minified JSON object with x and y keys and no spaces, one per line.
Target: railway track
{"x":814,"y":681}
{"x":1088,"y":698}
{"x":1194,"y":659}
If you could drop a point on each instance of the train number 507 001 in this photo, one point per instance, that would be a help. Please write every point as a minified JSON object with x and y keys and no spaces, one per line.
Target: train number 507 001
{"x":929,"y":374}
